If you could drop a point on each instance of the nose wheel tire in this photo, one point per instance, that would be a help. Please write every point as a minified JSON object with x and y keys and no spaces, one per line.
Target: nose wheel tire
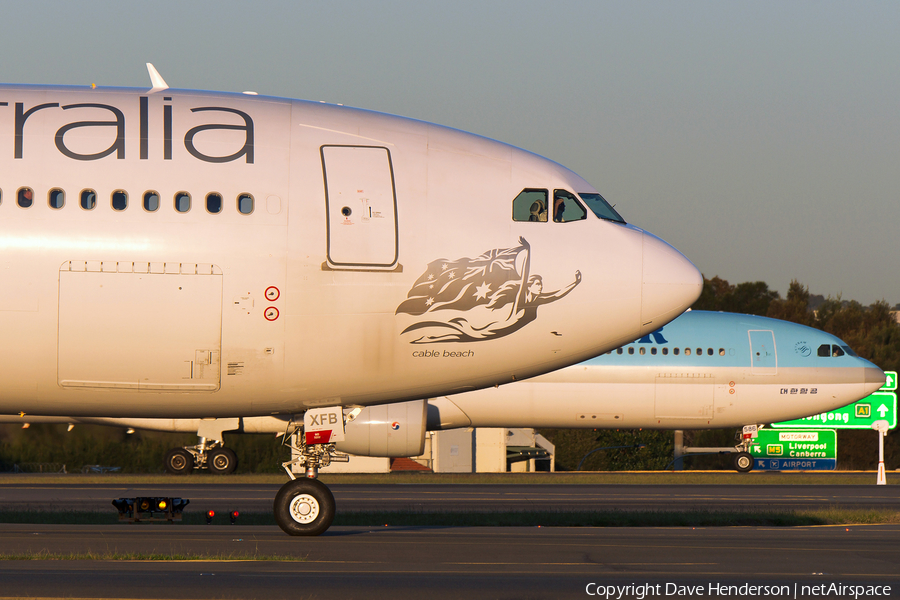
{"x":304,"y":507}
{"x":743,"y":462}
{"x":179,"y":461}
{"x":221,"y":461}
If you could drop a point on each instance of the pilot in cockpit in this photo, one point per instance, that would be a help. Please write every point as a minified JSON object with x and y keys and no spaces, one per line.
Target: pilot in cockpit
{"x":559,"y":207}
{"x":538,"y":211}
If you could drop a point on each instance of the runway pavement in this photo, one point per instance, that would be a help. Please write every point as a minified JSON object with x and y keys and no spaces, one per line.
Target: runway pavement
{"x":442,"y":563}
{"x":248,"y":497}
{"x":454,"y":562}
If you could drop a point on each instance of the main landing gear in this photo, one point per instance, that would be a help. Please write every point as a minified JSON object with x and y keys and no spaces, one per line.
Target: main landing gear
{"x":208,"y":454}
{"x":306,"y":506}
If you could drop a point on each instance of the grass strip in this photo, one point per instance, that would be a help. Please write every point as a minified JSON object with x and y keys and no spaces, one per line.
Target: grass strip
{"x":605,"y":518}
{"x":559,"y":478}
{"x":155,"y":556}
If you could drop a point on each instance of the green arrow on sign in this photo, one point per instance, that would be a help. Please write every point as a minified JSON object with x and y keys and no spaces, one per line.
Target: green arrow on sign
{"x":890,"y":383}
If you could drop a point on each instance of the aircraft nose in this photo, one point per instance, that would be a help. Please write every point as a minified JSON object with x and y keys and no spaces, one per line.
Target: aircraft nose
{"x":670,"y":284}
{"x":875,"y":378}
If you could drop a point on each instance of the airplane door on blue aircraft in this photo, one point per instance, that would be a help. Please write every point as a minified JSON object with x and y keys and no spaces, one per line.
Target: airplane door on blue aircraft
{"x":361,"y":203}
{"x":764,"y":360}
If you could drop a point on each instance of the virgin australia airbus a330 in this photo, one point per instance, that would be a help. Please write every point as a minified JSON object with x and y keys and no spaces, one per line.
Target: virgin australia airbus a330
{"x":171,"y":253}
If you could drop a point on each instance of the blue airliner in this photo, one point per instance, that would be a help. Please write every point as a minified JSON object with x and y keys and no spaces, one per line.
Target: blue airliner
{"x":703,"y":370}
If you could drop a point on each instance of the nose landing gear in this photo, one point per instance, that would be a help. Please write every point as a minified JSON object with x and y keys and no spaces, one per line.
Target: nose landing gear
{"x":306,"y":506}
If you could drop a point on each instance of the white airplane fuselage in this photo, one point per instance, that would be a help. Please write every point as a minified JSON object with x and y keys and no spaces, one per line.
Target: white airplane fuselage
{"x":187,"y":254}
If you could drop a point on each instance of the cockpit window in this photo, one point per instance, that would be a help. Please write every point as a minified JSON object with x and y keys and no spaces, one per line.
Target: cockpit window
{"x":829,"y":350}
{"x":601,"y":207}
{"x":530,"y":205}
{"x":566,"y":207}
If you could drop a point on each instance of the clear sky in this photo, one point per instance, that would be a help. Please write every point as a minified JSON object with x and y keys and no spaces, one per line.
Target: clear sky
{"x":762,"y":139}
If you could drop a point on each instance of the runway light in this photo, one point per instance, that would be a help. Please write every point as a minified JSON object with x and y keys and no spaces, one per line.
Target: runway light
{"x":234,"y":515}
{"x":209,"y":516}
{"x":163,"y":505}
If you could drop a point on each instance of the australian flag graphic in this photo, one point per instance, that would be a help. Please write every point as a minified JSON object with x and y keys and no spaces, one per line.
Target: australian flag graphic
{"x":476,"y":299}
{"x":461,"y":284}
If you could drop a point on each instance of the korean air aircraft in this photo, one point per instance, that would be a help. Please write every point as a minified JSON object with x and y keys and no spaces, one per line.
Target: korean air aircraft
{"x":182,"y":254}
{"x":703,"y":370}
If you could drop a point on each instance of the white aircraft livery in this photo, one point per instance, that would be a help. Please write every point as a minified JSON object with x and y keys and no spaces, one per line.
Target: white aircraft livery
{"x":179,"y":254}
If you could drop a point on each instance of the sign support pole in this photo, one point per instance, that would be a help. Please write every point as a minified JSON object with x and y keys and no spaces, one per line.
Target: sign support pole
{"x":882,"y":428}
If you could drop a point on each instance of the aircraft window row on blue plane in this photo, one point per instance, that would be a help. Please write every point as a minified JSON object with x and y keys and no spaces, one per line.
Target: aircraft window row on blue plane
{"x":533,"y":205}
{"x":118,"y":199}
{"x":833,"y":350}
{"x":665,"y":351}
{"x":825,"y":351}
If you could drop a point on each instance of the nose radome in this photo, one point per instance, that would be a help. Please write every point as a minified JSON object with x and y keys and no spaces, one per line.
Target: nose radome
{"x":671,"y":283}
{"x":875,"y":378}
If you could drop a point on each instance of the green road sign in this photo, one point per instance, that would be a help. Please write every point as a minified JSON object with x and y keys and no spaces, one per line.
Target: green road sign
{"x":890,"y":383}
{"x":880,"y":406}
{"x":812,"y":450}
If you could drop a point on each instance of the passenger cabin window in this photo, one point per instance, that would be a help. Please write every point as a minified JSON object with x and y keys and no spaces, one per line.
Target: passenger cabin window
{"x":182,"y":202}
{"x":151,"y":201}
{"x":601,"y":207}
{"x":567,"y":208}
{"x":56,"y":198}
{"x":1,"y":196}
{"x":530,"y":205}
{"x":245,"y":204}
{"x":25,"y":197}
{"x":214,"y":203}
{"x":119,"y":200}
{"x":88,"y":199}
